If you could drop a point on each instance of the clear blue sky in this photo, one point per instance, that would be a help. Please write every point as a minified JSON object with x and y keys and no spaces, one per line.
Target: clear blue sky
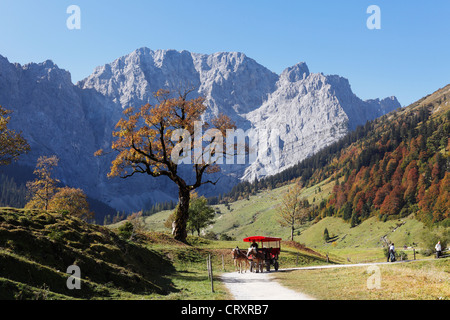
{"x":408,"y":57}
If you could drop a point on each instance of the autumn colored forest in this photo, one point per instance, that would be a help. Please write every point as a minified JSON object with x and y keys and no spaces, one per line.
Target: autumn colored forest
{"x":401,"y":169}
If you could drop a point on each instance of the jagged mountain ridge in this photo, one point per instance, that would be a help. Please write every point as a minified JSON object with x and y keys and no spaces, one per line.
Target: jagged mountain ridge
{"x":309,"y":110}
{"x":310,"y":113}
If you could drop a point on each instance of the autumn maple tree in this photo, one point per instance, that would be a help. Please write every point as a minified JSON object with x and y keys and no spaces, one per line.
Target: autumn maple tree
{"x":149,"y":139}
{"x":73,"y":201}
{"x":12,"y":144}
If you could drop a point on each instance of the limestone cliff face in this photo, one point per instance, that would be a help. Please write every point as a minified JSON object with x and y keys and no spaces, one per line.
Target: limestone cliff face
{"x":306,"y":113}
{"x":298,"y":111}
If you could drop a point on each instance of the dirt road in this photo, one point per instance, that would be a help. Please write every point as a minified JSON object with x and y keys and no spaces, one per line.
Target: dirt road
{"x":258,"y":286}
{"x":261,"y":286}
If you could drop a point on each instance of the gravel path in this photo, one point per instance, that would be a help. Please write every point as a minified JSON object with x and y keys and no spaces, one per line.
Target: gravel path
{"x":261,"y":286}
{"x":258,"y":286}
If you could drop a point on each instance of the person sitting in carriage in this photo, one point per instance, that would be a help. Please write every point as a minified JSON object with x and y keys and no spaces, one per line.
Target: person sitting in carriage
{"x":253,"y":248}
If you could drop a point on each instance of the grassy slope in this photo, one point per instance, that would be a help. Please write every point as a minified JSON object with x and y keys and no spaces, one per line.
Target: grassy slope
{"x":244,"y":217}
{"x":363,"y":243}
{"x":36,"y":247}
{"x":255,"y":216}
{"x":403,"y":232}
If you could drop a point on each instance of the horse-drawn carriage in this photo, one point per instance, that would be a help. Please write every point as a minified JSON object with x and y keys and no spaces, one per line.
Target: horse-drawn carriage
{"x":263,"y":252}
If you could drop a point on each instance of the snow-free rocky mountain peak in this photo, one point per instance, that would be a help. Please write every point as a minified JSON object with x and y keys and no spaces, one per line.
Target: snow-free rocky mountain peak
{"x":298,"y":111}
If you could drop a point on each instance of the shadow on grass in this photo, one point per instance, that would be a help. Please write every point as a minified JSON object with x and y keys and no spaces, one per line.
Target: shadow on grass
{"x":189,"y":276}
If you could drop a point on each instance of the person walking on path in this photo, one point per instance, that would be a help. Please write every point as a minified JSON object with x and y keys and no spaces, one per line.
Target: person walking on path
{"x":438,"y":248}
{"x":391,"y":253}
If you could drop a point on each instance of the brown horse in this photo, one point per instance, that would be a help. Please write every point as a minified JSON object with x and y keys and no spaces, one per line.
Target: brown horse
{"x":257,"y":259}
{"x":240,"y":260}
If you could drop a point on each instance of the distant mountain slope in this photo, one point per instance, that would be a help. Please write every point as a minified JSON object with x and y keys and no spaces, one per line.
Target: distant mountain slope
{"x":309,"y":111}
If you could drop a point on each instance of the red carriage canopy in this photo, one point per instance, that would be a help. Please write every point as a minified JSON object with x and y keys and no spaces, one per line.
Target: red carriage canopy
{"x":261,"y":239}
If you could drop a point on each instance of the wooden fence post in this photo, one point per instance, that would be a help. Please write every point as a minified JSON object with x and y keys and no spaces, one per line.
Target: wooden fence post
{"x":223,"y":263}
{"x":210,"y":274}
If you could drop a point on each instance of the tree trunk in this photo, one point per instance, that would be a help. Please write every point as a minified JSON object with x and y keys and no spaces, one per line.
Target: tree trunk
{"x":292,"y":233}
{"x":182,"y":215}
